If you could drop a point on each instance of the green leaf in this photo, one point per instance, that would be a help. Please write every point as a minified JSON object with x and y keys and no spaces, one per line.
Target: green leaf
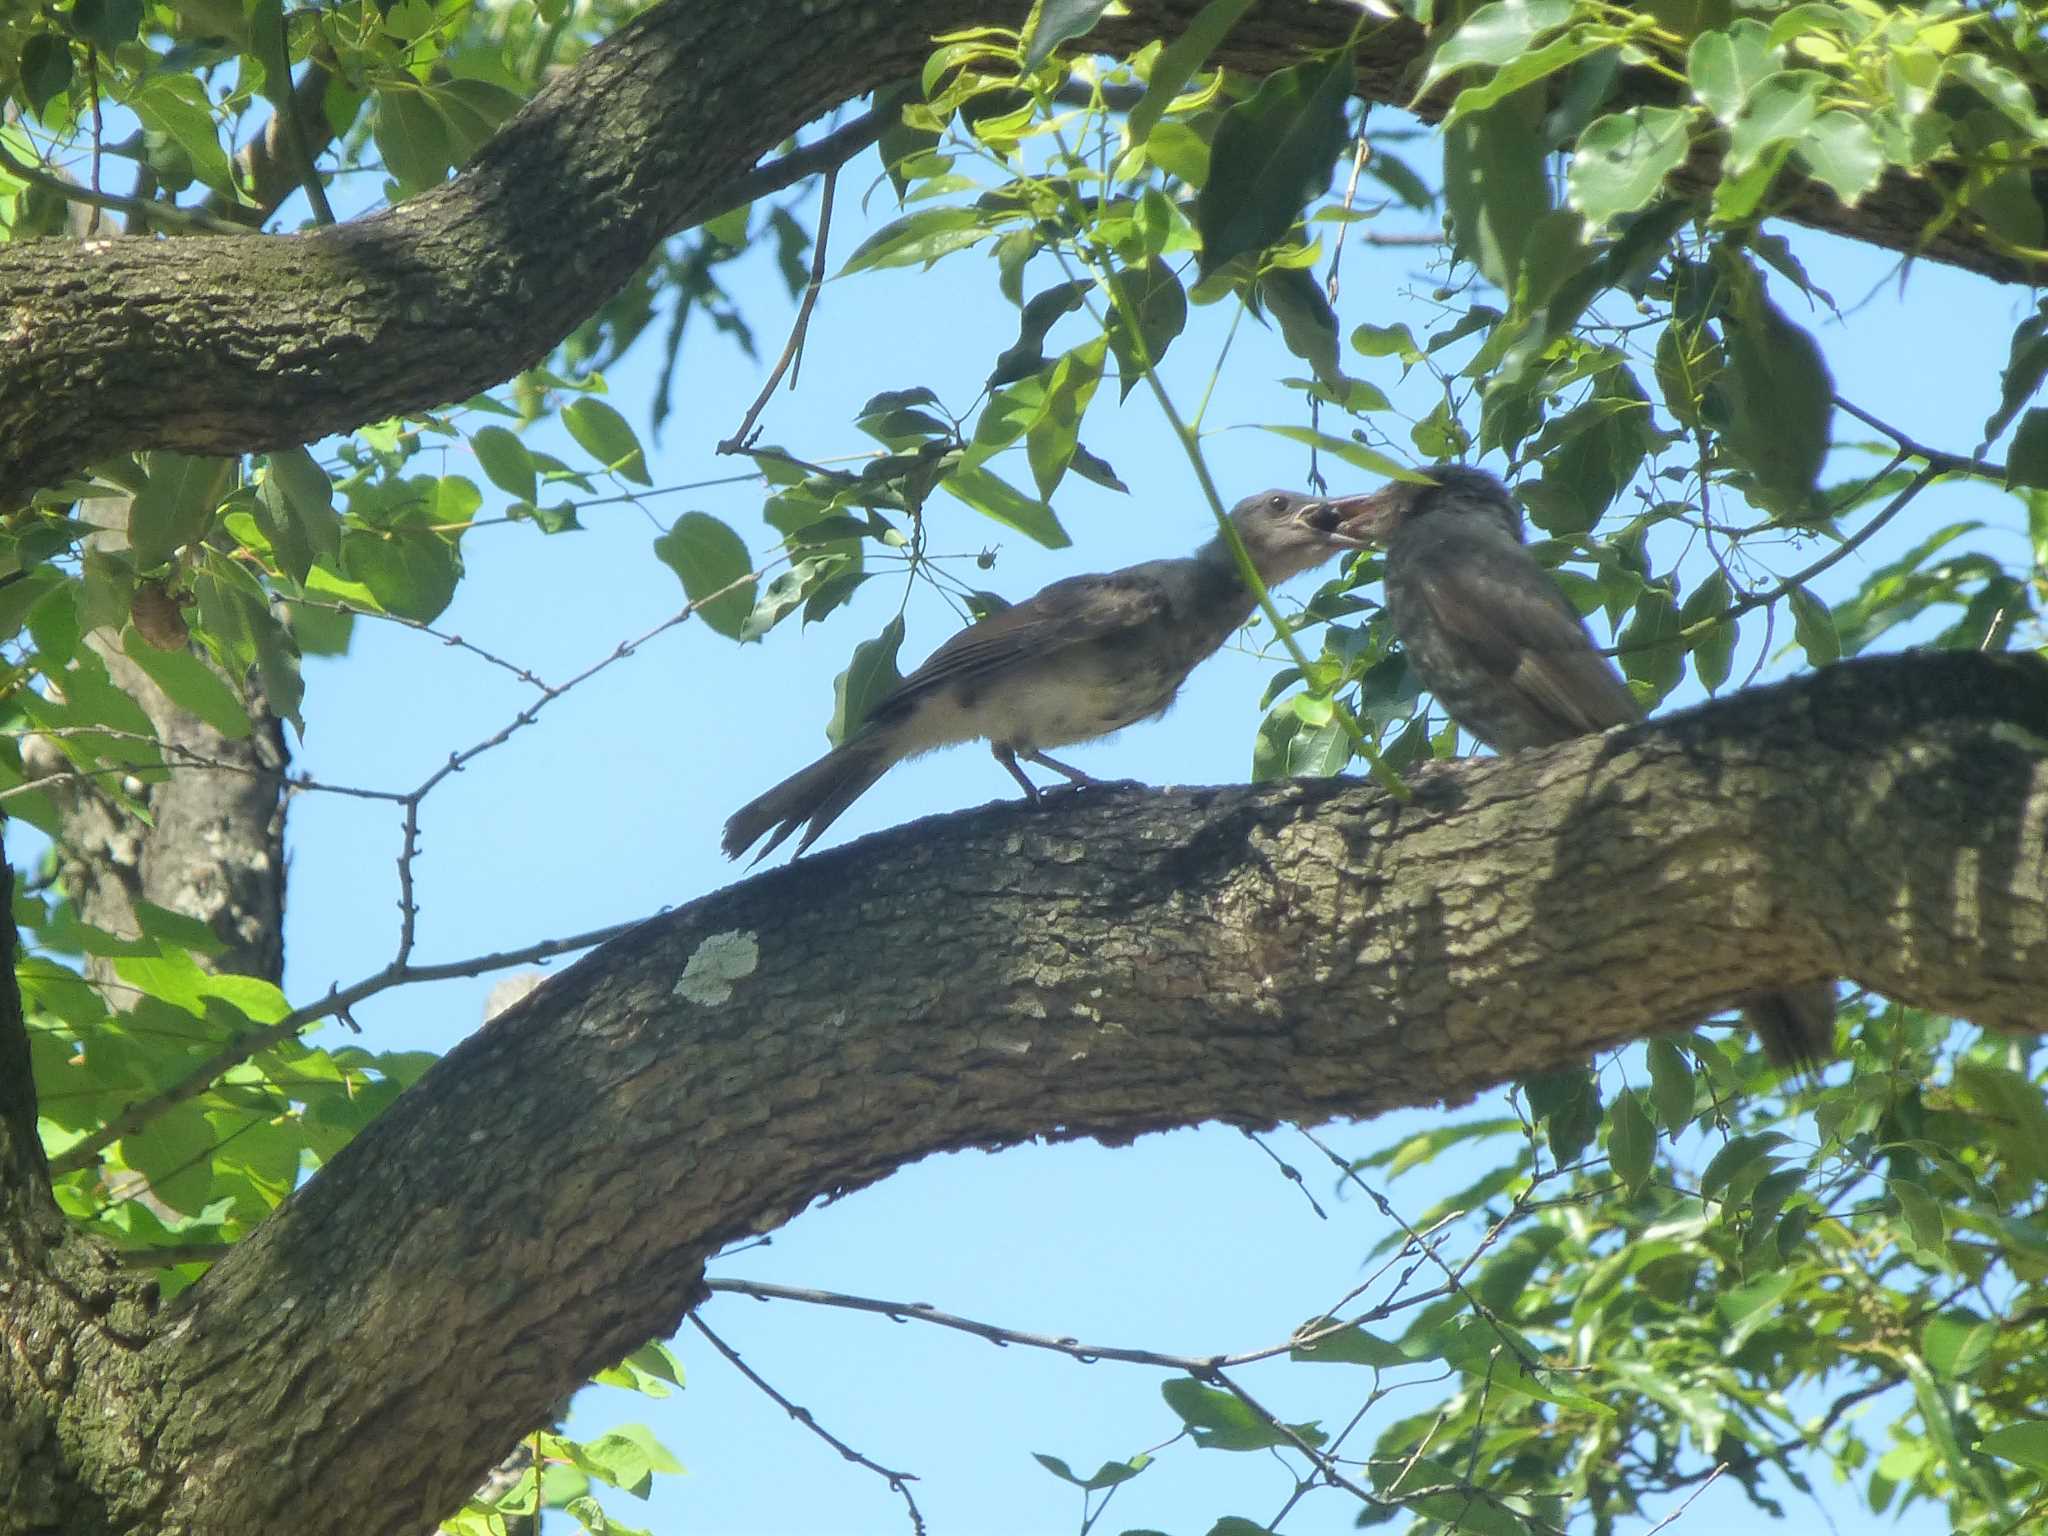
{"x":473,"y":110}
{"x":1724,"y":67}
{"x":175,"y":1153}
{"x":1671,"y":1085}
{"x":1842,"y":151}
{"x":412,"y":137}
{"x":1352,"y":1346}
{"x":1648,"y":645}
{"x":308,"y":499}
{"x":1780,"y":396}
{"x":1494,"y":34}
{"x":2001,"y":88}
{"x":1178,"y":61}
{"x":1053,"y":438}
{"x":1923,"y":1215}
{"x":190,"y":684}
{"x":603,"y":433}
{"x":870,"y":677}
{"x":505,"y":461}
{"x":1386,"y":341}
{"x":996,"y":498}
{"x":1569,"y":1104}
{"x":1108,"y":1475}
{"x":1221,"y":1421}
{"x":1053,"y":22}
{"x":1355,"y":454}
{"x":1813,"y":626}
{"x":176,"y":106}
{"x":715,"y":569}
{"x":1957,"y":1342}
{"x":45,"y":70}
{"x":1739,"y":1153}
{"x":1631,"y":1142}
{"x":1307,"y":323}
{"x":1779,"y":109}
{"x":1749,"y":1307}
{"x":1622,"y":159}
{"x":410,"y":571}
{"x":923,"y":236}
{"x":2024,"y":370}
{"x":2025,"y":1445}
{"x":1494,"y":184}
{"x":1712,"y":650}
{"x":175,"y":507}
{"x":1026,"y":355}
{"x":1149,"y":309}
{"x":2026,"y":462}
{"x":1270,"y":156}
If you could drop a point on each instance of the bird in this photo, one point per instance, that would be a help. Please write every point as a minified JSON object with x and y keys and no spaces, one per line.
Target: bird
{"x":1491,"y":635}
{"x":1085,"y":657}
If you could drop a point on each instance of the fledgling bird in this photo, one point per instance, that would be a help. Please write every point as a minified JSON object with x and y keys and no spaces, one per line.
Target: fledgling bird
{"x":1489,"y":633}
{"x":1087,"y":656}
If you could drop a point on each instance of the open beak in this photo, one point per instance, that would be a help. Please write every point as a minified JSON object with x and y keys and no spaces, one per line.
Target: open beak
{"x":1355,"y":521}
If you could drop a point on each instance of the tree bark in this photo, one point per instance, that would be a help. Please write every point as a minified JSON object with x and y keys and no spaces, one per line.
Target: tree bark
{"x":545,"y":1200}
{"x":453,"y":291}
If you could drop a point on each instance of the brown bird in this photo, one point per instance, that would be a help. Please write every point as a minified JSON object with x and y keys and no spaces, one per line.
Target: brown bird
{"x":1087,"y":656}
{"x":1491,"y":635}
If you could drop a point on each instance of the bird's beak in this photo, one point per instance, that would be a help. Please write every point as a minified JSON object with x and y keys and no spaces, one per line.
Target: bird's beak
{"x":1354,"y":521}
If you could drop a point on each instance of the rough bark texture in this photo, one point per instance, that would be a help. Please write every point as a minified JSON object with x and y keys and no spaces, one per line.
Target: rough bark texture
{"x":453,"y":291}
{"x":216,"y":851}
{"x":546,"y":1198}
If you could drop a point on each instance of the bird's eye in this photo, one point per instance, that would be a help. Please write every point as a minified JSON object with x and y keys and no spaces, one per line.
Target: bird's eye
{"x":1277,"y":501}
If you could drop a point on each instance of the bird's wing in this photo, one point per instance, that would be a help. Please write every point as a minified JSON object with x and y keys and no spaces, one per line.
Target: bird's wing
{"x":1079,"y":611}
{"x":1480,"y":593}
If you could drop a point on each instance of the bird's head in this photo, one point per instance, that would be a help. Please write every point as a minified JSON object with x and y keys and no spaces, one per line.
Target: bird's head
{"x":1451,"y":491}
{"x":1287,"y":532}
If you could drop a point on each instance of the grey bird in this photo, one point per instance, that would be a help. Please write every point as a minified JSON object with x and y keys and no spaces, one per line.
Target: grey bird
{"x":1087,"y":656}
{"x":1491,"y":635}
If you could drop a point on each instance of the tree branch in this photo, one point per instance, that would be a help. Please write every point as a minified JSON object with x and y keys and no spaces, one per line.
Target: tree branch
{"x":657,"y":130}
{"x":1124,"y":963}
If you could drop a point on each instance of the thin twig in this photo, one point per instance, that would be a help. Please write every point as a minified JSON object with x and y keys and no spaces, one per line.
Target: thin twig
{"x":297,"y":145}
{"x":737,"y":443}
{"x":135,"y":208}
{"x":1428,"y":1249}
{"x":186,"y":758}
{"x":1961,"y":464}
{"x":1358,"y":158}
{"x":1673,"y":1518}
{"x":132,"y":1119}
{"x":898,"y":1481}
{"x":1289,"y":1172}
{"x":1073,"y":1349}
{"x":454,"y":642}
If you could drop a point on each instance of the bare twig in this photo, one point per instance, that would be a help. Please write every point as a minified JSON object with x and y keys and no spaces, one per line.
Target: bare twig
{"x":995,"y":1333}
{"x":1955,"y":463}
{"x":898,"y":1482}
{"x":1428,"y":1248}
{"x":737,"y":443}
{"x":1673,"y":1518}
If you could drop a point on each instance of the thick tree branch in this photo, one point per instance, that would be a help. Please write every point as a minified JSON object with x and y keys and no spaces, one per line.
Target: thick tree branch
{"x":1120,"y":963}
{"x":450,"y":293}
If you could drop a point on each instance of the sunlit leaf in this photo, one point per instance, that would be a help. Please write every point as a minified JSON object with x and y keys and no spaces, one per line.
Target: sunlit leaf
{"x":715,"y":569}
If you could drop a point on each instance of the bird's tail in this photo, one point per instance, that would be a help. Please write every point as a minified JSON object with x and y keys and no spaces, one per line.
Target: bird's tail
{"x":816,"y":795}
{"x":1796,"y":1026}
